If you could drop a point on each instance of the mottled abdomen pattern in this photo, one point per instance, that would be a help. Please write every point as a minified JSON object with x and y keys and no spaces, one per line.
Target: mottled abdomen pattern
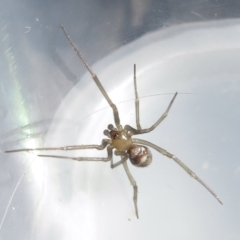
{"x":140,"y":156}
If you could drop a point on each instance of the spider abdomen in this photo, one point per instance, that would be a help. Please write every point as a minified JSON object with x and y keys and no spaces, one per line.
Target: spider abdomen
{"x":140,"y":156}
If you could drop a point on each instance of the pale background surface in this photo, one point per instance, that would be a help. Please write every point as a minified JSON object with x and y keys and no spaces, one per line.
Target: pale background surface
{"x":189,"y":47}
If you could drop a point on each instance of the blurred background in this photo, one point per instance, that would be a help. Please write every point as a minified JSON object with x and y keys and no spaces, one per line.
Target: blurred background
{"x":46,"y":99}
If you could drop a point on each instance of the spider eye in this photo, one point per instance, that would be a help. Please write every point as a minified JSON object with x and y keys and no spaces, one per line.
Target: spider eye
{"x":115,"y":135}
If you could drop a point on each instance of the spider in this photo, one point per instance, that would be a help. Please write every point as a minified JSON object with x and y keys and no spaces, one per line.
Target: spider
{"x":120,"y":139}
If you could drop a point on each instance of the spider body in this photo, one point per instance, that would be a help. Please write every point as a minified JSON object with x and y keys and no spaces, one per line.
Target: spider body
{"x":120,"y":139}
{"x":139,"y":156}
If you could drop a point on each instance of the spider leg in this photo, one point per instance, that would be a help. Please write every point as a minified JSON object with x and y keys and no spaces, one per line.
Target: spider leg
{"x":123,"y":159}
{"x":105,"y":142}
{"x":108,"y":158}
{"x":141,"y":131}
{"x":134,"y":184}
{"x":180,"y":163}
{"x":136,"y":99}
{"x":95,"y":78}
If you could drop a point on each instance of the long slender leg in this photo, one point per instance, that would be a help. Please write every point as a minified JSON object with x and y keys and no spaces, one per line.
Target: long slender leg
{"x":180,"y":163}
{"x":134,"y":184}
{"x":105,"y":142}
{"x":108,"y":158}
{"x":123,"y":159}
{"x":95,"y":78}
{"x":141,"y":131}
{"x":136,"y":99}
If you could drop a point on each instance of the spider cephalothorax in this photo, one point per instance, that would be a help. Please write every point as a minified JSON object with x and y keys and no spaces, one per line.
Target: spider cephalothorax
{"x":121,"y":139}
